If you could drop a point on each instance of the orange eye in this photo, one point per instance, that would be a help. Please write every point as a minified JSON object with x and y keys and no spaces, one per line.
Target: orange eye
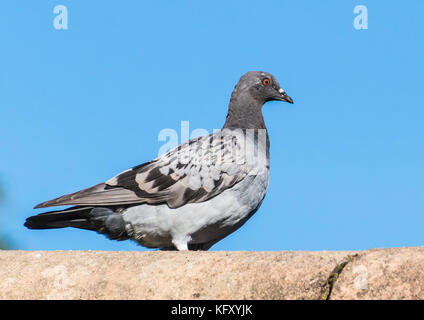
{"x":266,"y":81}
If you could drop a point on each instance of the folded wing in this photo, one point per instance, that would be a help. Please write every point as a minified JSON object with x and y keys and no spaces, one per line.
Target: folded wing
{"x":192,"y":172}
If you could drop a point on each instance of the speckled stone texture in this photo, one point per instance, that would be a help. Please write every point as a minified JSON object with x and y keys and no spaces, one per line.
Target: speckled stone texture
{"x":372,"y":274}
{"x":164,"y":274}
{"x":396,"y":273}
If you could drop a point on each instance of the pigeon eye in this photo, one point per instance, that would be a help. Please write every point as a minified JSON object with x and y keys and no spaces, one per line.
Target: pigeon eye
{"x":266,"y":81}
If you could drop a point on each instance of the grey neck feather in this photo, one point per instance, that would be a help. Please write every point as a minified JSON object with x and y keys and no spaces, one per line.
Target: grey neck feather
{"x":244,"y":112}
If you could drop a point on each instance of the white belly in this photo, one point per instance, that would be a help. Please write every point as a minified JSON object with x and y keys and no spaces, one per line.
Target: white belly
{"x":160,"y":226}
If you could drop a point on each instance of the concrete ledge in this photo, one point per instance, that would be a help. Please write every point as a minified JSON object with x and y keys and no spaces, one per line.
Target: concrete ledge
{"x":396,"y":273}
{"x":390,"y":274}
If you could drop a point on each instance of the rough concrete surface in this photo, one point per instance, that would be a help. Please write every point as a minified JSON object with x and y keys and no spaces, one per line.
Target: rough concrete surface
{"x":396,"y":273}
{"x":390,"y":274}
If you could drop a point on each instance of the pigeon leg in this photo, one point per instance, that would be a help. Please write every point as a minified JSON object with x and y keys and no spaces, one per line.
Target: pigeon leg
{"x":180,"y":244}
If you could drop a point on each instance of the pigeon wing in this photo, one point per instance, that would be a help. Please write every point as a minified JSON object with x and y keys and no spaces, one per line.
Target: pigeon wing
{"x":192,"y":172}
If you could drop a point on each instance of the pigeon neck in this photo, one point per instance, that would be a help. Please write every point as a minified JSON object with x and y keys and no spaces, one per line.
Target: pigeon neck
{"x":244,"y":113}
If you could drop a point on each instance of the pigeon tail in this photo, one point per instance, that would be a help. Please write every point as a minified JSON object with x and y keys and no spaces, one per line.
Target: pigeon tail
{"x":102,"y":220}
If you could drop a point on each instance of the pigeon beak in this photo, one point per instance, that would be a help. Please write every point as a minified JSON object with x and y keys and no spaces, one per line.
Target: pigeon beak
{"x":284,"y":96}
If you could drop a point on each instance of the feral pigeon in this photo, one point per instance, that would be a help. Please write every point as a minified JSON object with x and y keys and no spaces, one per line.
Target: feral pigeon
{"x":190,"y":197}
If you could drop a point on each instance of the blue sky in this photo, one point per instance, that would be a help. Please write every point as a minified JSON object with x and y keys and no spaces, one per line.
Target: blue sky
{"x":78,"y":106}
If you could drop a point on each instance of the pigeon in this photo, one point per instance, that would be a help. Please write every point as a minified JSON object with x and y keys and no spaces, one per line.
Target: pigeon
{"x":190,"y":197}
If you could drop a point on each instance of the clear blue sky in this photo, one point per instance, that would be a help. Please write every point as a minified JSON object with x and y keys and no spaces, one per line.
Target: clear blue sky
{"x":78,"y":106}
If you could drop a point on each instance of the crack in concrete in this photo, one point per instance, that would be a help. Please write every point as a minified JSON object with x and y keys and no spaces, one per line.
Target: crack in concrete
{"x":334,"y":275}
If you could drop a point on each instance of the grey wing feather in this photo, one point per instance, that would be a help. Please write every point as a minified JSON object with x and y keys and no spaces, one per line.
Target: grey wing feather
{"x":192,"y":172}
{"x":98,"y":195}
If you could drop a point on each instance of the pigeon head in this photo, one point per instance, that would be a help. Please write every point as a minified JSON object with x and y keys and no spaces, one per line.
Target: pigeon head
{"x":262,"y":87}
{"x":253,"y":90}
